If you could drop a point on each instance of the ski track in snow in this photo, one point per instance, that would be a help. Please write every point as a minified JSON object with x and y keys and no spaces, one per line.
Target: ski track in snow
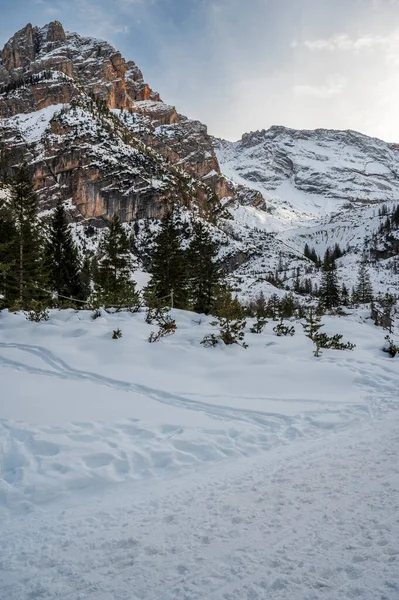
{"x":320,"y":520}
{"x":300,"y":504}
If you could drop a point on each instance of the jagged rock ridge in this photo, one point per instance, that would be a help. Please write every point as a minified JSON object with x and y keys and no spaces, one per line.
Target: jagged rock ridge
{"x":96,"y":134}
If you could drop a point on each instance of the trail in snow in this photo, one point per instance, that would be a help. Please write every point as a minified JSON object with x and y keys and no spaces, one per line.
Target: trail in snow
{"x":316,"y":520}
{"x":268,"y":474}
{"x":63,"y":371}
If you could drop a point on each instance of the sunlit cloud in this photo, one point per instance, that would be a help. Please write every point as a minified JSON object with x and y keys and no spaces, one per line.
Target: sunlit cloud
{"x":332,"y":88}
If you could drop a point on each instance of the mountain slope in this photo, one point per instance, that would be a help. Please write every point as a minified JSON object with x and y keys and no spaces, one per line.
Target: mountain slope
{"x":322,"y":188}
{"x":96,"y":135}
{"x":314,"y":172}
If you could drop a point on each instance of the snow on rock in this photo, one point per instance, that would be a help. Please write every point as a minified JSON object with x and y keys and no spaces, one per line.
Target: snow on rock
{"x":321,"y":187}
{"x":32,"y":126}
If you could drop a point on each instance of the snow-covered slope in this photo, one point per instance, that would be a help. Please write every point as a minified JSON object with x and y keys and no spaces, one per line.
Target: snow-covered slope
{"x":314,"y":172}
{"x":169,"y":471}
{"x":321,"y":187}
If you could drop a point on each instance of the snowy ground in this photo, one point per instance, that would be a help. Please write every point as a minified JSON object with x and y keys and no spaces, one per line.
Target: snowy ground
{"x":170,"y":471}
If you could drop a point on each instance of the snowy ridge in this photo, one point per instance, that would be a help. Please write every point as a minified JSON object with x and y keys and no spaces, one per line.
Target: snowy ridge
{"x":321,"y":187}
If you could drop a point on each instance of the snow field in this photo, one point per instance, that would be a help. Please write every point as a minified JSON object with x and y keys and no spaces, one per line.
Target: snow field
{"x":80,"y":412}
{"x":317,"y":520}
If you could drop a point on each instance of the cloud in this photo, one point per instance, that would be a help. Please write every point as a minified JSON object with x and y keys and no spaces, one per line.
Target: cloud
{"x":328,"y":90}
{"x":345,"y":43}
{"x":52,"y":11}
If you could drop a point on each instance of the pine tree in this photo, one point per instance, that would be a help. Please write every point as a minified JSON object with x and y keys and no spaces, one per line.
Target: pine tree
{"x":28,"y":253}
{"x":329,"y":289}
{"x":260,"y":305}
{"x":8,"y":237}
{"x":344,"y":295}
{"x":63,"y":258}
{"x":204,"y":271}
{"x":168,"y":267}
{"x":312,"y":324}
{"x":273,"y":307}
{"x":363,"y":289}
{"x":113,"y":284}
{"x":86,"y":275}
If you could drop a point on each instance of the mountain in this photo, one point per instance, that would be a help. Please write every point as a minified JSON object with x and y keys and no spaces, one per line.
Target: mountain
{"x":322,"y":188}
{"x":314,"y":172}
{"x":95,"y":135}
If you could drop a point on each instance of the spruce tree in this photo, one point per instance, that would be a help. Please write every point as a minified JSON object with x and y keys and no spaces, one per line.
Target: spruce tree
{"x":168,"y":267}
{"x":29,"y":281}
{"x":113,"y":285}
{"x":260,"y":305}
{"x":204,"y":270}
{"x":63,"y":258}
{"x":312,"y":324}
{"x":363,"y":289}
{"x":344,"y":295}
{"x":329,"y":288}
{"x":8,"y":256}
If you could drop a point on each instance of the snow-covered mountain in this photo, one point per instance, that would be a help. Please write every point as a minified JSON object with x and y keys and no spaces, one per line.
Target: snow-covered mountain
{"x":322,"y":188}
{"x":95,"y":135}
{"x":314,"y":172}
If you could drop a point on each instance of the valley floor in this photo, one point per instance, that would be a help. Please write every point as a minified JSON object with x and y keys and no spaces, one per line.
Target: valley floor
{"x":114,"y":490}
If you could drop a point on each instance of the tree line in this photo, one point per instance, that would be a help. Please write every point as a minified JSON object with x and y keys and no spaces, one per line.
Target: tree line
{"x":40,"y":264}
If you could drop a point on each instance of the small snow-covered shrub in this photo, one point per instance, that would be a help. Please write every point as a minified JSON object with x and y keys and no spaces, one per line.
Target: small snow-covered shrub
{"x":116,"y":334}
{"x":156,"y":315}
{"x":333,"y":342}
{"x":322,"y":340}
{"x":259,"y":325}
{"x":283,"y":330}
{"x":231,"y":331}
{"x":210,"y":341}
{"x":37,"y":313}
{"x":391,"y":348}
{"x":167,"y":326}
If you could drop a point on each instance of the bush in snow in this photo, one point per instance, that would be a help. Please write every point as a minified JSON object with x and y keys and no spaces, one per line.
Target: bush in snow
{"x":259,"y":325}
{"x":322,"y":340}
{"x":283,"y":330}
{"x":391,"y":349}
{"x":211,"y":340}
{"x":156,"y":315}
{"x":231,"y":331}
{"x":116,"y":334}
{"x":96,"y":313}
{"x":37,"y":313}
{"x":167,"y":326}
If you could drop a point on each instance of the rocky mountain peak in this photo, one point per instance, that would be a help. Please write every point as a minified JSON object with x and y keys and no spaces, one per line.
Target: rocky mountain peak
{"x":87,"y":62}
{"x":93,"y":132}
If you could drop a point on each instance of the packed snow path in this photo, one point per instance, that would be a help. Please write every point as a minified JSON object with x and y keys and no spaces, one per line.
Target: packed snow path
{"x":310,"y":520}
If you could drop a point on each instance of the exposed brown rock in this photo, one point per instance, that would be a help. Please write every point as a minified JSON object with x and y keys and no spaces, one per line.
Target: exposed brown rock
{"x":134,"y":167}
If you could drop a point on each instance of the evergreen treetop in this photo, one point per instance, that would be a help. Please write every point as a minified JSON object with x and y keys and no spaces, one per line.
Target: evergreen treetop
{"x":63,"y":258}
{"x":113,"y":284}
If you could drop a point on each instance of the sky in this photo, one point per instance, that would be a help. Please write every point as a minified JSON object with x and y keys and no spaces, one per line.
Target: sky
{"x":244,"y":65}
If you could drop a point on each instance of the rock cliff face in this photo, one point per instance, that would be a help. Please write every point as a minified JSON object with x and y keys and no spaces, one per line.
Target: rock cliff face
{"x":92,"y":131}
{"x":86,"y":62}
